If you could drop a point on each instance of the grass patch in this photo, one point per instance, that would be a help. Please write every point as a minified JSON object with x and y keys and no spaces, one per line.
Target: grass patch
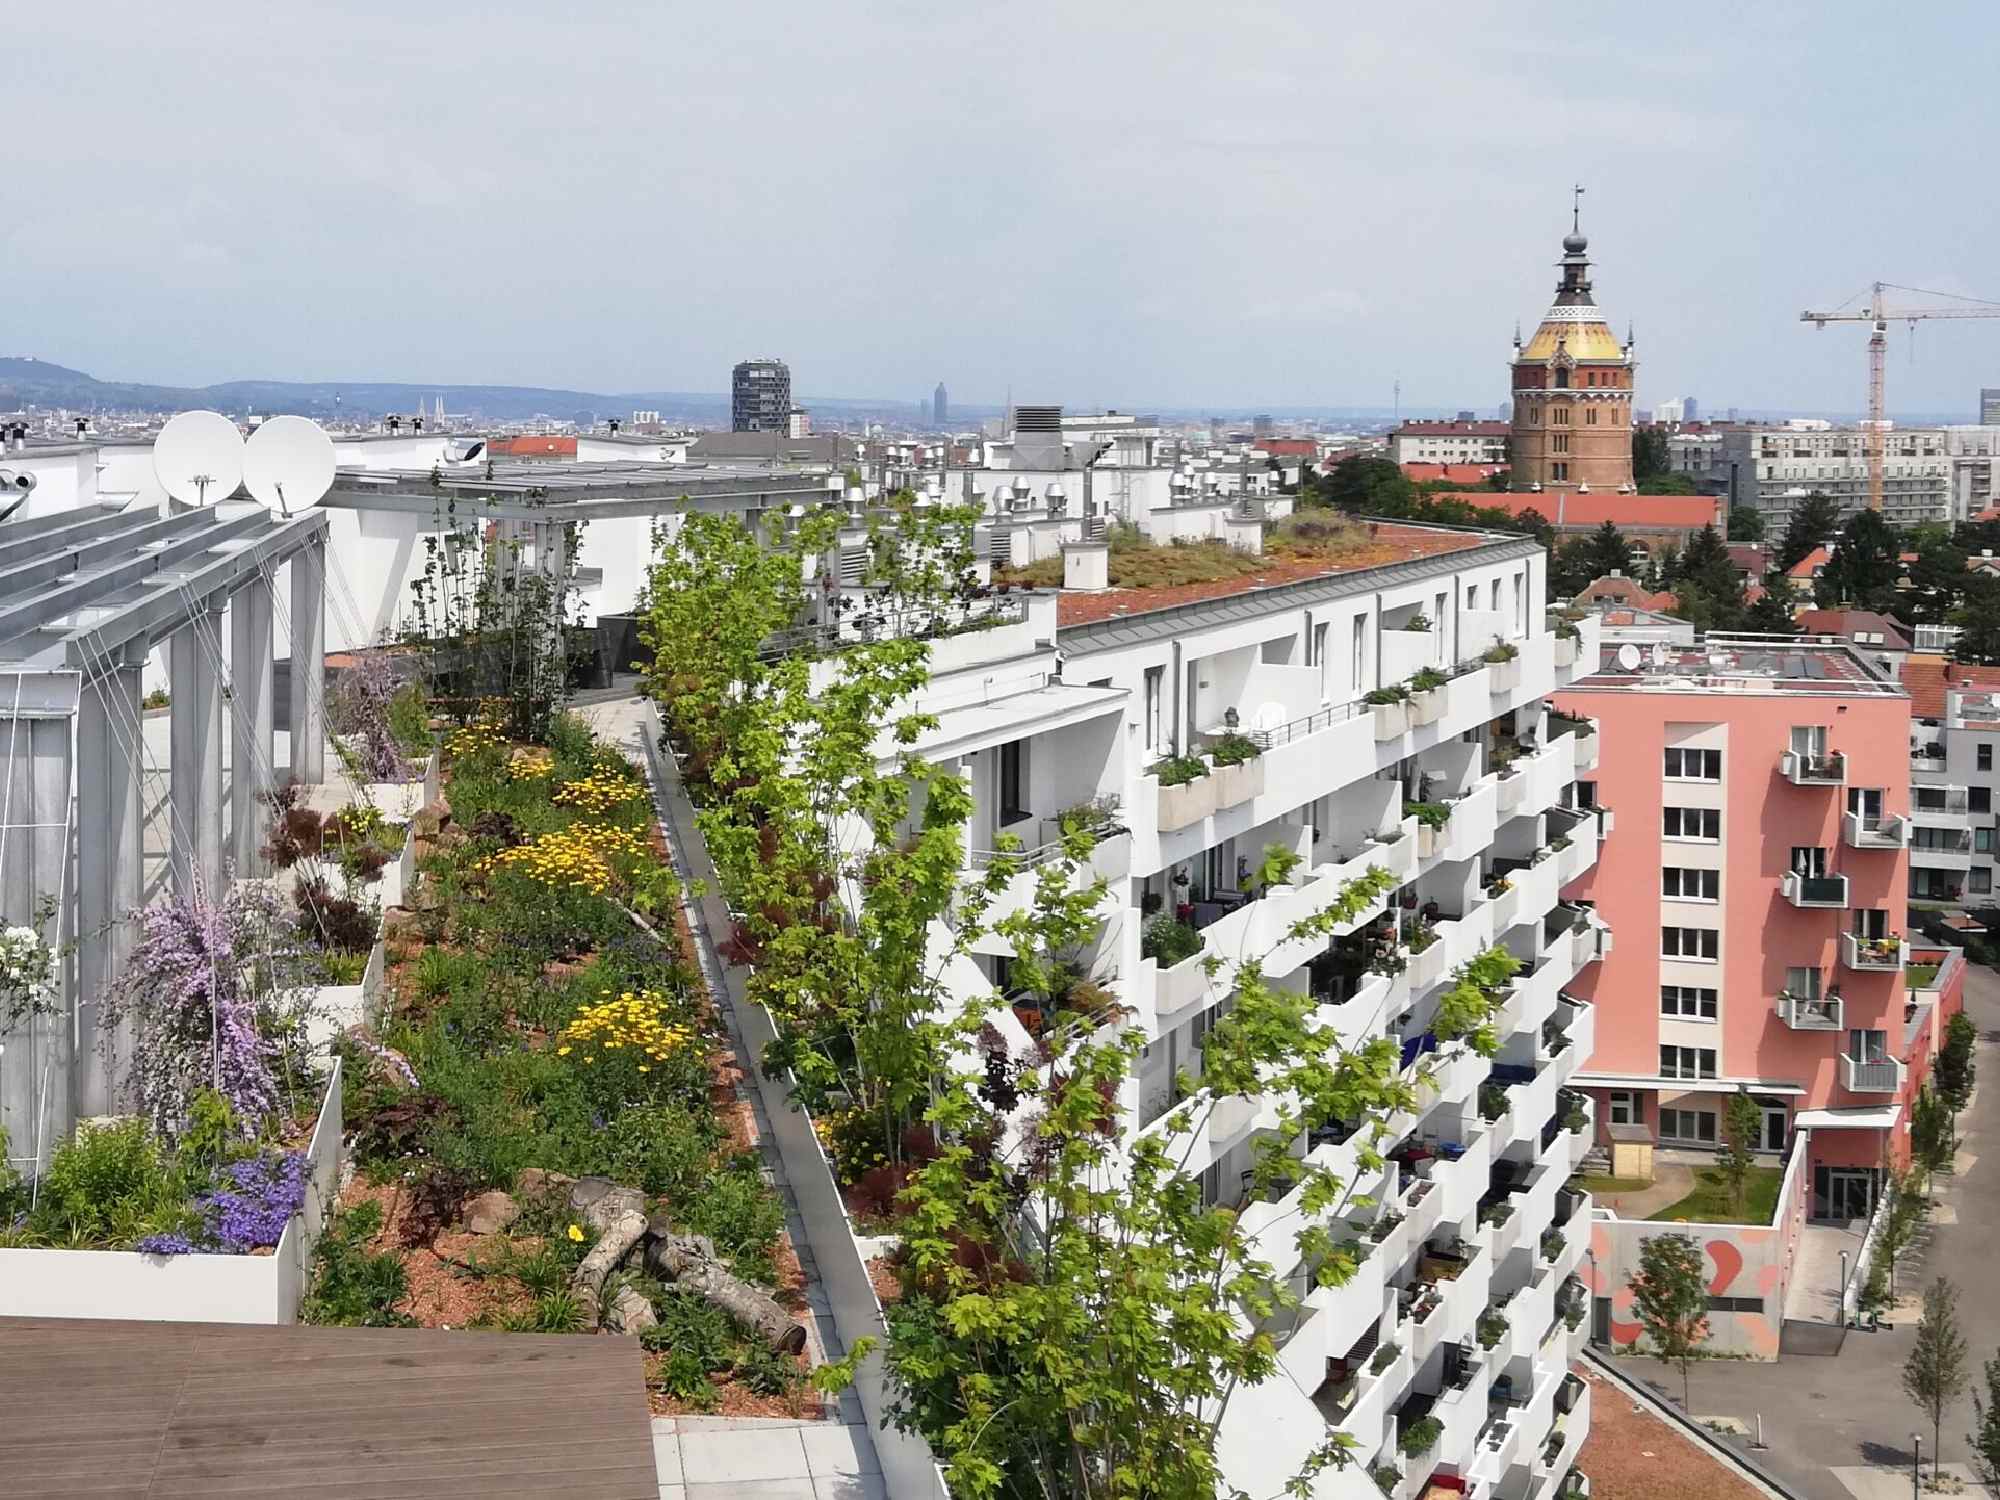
{"x":1136,"y":562}
{"x":1921,"y":976}
{"x":1710,"y":1202}
{"x":1599,"y":1185}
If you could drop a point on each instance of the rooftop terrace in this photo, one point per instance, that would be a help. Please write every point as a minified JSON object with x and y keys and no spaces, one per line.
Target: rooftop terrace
{"x":1742,"y":664}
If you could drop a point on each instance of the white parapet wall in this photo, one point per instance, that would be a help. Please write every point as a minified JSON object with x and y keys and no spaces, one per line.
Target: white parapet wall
{"x":123,"y":1284}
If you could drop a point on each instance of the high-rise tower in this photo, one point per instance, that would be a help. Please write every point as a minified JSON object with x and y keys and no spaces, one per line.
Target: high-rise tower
{"x":1573,"y":391}
{"x":760,"y":396}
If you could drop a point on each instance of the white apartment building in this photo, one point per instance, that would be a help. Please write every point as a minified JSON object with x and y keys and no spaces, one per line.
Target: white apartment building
{"x":1457,"y":442}
{"x":1773,"y":468}
{"x":1953,"y":781}
{"x":1470,"y":1304}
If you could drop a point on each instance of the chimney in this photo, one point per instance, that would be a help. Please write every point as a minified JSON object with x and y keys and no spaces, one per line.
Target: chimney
{"x":20,"y":437}
{"x":82,"y":426}
{"x":1087,"y":566}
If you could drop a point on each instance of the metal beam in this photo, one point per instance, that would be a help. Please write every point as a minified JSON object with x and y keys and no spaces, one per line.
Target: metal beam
{"x":146,"y":529}
{"x":250,"y":765}
{"x":605,"y":502}
{"x":66,"y":598}
{"x":31,"y":537}
{"x":157,"y":612}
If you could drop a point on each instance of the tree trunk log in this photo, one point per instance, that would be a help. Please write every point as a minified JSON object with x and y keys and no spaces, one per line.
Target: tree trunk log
{"x":613,"y":1246}
{"x":690,"y":1262}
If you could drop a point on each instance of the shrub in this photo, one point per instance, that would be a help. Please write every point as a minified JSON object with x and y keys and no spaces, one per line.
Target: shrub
{"x":409,"y":718}
{"x":333,"y":924}
{"x":1384,"y":1357}
{"x":1500,"y":651}
{"x":1178,"y":770}
{"x":1427,"y":679}
{"x":744,"y":1218}
{"x":1396,"y":692}
{"x":1432,"y":815}
{"x":1419,"y":1437}
{"x":767,"y":1371}
{"x":1416,"y":622}
{"x":109,"y":1185}
{"x":1234,"y":749}
{"x":1169,"y":941}
{"x":353,"y":1286}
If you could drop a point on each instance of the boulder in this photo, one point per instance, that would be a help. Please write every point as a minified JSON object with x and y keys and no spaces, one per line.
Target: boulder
{"x":537,"y":1183}
{"x":490,"y":1213}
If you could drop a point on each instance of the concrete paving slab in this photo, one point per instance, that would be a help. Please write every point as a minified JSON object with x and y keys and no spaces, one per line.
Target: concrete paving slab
{"x":742,"y":1457}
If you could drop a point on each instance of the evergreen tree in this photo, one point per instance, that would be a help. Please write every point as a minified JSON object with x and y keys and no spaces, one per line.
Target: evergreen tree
{"x":1746,"y":523}
{"x":1651,"y":455}
{"x":1934,"y":1375}
{"x":1670,"y":1297}
{"x":1865,"y":564}
{"x":1937,"y":582}
{"x":1771,"y":614}
{"x":1813,"y":520}
{"x":1978,"y":619}
{"x":1707,"y":586}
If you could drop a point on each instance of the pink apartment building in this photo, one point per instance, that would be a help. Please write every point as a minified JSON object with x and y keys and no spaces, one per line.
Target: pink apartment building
{"x":1756,"y":792}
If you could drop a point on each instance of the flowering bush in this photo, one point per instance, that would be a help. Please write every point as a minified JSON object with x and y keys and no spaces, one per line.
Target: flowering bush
{"x":247,"y":1210}
{"x":360,"y":710}
{"x":598,"y":794}
{"x":27,"y":976}
{"x":587,"y":858}
{"x":636,"y":1049}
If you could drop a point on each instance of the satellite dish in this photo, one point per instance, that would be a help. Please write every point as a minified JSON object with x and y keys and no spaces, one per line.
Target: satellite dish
{"x":288,"y":464}
{"x":1628,"y":657}
{"x":198,"y":457}
{"x":1659,"y":654}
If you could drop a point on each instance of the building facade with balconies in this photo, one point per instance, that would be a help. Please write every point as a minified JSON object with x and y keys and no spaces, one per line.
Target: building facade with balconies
{"x":1447,"y":1355}
{"x":1758,"y":880}
{"x":1954,"y":752}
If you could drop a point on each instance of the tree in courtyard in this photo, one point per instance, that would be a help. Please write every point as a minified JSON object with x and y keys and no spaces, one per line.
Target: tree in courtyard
{"x":1956,"y":1068}
{"x":1934,"y":1376}
{"x":1930,"y":1134}
{"x":1902,"y":1216}
{"x":1708,"y":590}
{"x":1741,"y":1122}
{"x":1746,"y":523}
{"x":1813,"y":520}
{"x":1865,"y":565}
{"x":1670,"y":1297}
{"x":1985,"y":1439}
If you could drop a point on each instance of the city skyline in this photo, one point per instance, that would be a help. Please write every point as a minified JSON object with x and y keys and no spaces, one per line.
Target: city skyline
{"x":363,"y":228}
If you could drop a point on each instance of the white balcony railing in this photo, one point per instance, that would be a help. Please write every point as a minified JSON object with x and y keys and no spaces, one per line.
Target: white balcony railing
{"x":1801,"y":768}
{"x":1872,"y":955}
{"x":1875,"y":1075}
{"x":1814,"y":892}
{"x":1862,"y":832}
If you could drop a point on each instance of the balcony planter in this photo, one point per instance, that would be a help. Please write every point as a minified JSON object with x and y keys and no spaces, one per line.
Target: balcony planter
{"x":1503,"y":662}
{"x":1427,"y":697}
{"x":1187,"y":792}
{"x":1239,"y":771}
{"x":1568,"y":643}
{"x":1506,"y":899}
{"x":1426,"y":963}
{"x":1391,"y":710}
{"x":1433,"y":825}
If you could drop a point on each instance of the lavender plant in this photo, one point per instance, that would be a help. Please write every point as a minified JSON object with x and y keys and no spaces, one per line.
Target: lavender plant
{"x":248,"y":1210}
{"x":214,"y":997}
{"x":361,"y":711}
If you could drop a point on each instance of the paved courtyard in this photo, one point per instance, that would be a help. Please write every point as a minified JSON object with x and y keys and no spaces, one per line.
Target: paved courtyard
{"x":1839,"y":1427}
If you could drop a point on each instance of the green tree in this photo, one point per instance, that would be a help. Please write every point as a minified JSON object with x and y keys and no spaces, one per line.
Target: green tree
{"x":1985,"y":1441}
{"x":1978,"y":620}
{"x":1652,"y":457}
{"x":1957,"y":1068}
{"x":1771,"y":612}
{"x":1668,"y":484}
{"x":1366,"y":486}
{"x":1708,"y":590}
{"x":1741,"y":1122}
{"x":1937,"y":581}
{"x":1813,"y":520}
{"x":1930,"y":1133}
{"x":1902,"y":1216}
{"x":1934,"y":1376}
{"x":1586,"y":559}
{"x":1865,"y":565}
{"x":1746,"y":523}
{"x":1670,"y":1297}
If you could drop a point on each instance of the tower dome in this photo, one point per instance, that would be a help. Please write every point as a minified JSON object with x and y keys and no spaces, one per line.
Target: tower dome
{"x":1572,"y":389}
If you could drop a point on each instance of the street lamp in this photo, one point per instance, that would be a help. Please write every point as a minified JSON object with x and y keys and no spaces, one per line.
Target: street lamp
{"x":1917,"y":1466}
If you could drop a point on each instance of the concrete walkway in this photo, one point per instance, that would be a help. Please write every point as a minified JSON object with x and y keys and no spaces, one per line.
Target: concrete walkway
{"x":1671,"y":1182}
{"x":760,"y":1458}
{"x":1825,"y":1254}
{"x":1833,"y":1423}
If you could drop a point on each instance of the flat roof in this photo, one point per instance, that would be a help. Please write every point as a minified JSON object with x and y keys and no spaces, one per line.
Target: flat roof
{"x":1821,"y":665}
{"x":149,"y":1411}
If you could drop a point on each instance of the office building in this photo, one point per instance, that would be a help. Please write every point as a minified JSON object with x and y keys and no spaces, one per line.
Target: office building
{"x":1771,"y":469}
{"x":1454,"y":442}
{"x":940,"y":408}
{"x":1989,"y":406}
{"x":1572,"y":384}
{"x":760,"y":396}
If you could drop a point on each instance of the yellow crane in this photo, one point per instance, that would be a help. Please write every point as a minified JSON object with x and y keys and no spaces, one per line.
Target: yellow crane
{"x":1879,"y":315}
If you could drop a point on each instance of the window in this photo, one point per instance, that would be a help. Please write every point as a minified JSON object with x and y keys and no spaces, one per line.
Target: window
{"x":1982,"y":757}
{"x":1809,"y":741}
{"x":1808,"y":860}
{"x":1013,"y":782}
{"x":1701,"y":944}
{"x":1691,"y":823}
{"x":1693,"y":765}
{"x":1472,"y":596}
{"x":1559,"y":443}
{"x":1560,"y":416}
{"x":1625,"y":1107}
{"x":1156,"y":680}
{"x":1865,"y":802}
{"x":1590,"y":417}
{"x":1678,"y":884}
{"x":1868,"y":1046}
{"x":1871,"y":922}
{"x":1979,"y":798}
{"x":1687,"y":1002}
{"x":1982,"y":881}
{"x":1358,"y":650}
{"x":1687,"y":1062}
{"x":1695,"y":1125}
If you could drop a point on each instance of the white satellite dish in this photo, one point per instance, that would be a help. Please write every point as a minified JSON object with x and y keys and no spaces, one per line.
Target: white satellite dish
{"x":198,"y":457}
{"x":288,"y":464}
{"x":1659,"y":655}
{"x":1628,"y":657}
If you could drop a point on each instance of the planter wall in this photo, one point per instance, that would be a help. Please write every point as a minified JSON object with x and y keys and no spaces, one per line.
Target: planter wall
{"x":1391,"y":719}
{"x":1503,"y":676}
{"x":1427,"y":708}
{"x":123,"y":1284}
{"x":1186,"y":804}
{"x":1236,"y":784}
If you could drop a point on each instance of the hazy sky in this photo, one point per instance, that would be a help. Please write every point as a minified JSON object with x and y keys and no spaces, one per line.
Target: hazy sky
{"x":1200,"y":205}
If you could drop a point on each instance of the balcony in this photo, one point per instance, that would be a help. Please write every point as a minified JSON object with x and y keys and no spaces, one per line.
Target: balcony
{"x":1811,"y":1012}
{"x":1585,"y":730}
{"x":1814,"y":892}
{"x":1875,"y":1075}
{"x":1940,"y":806}
{"x":1872,"y":955}
{"x":1877,"y":832}
{"x":1942,"y":848}
{"x":1802,"y":768}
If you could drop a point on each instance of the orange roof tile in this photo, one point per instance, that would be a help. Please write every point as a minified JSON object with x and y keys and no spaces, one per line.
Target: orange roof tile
{"x":1569,"y":510}
{"x":1926,"y":679}
{"x":1809,"y":565}
{"x":1626,"y":591}
{"x":1451,"y":473}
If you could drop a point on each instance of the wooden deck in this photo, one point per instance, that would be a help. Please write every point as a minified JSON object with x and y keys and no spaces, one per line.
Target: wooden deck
{"x":175,"y":1411}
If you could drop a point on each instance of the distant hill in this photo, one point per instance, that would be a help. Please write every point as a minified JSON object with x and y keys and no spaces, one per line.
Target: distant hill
{"x":37,"y":382}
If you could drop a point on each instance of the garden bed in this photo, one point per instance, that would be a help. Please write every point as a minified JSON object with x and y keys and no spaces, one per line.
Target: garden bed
{"x":543,"y":1027}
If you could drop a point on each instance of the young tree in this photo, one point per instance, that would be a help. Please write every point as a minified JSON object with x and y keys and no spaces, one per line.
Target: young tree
{"x":1957,"y":1068}
{"x":1670,"y":1296}
{"x":1930,"y":1134}
{"x":1865,"y":565}
{"x":1985,"y":1442}
{"x":1741,"y":1121}
{"x":1934,"y":1376}
{"x":1813,"y":520}
{"x":1901,"y":1219}
{"x":1746,"y":523}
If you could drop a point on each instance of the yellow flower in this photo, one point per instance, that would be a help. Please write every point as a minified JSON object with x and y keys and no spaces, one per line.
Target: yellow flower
{"x":576,"y":1234}
{"x":562,"y":1052}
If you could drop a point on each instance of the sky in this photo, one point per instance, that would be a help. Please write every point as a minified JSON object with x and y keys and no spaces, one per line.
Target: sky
{"x":1254,"y":206}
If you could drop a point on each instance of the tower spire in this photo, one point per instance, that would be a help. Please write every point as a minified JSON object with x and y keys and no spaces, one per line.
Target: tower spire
{"x":1576,"y":209}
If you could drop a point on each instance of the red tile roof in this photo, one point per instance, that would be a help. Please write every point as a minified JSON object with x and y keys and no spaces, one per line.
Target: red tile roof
{"x":1569,"y":510}
{"x":1627,"y":591}
{"x":1749,"y":558}
{"x":1853,"y":622}
{"x":1451,"y":473}
{"x":1926,"y":679}
{"x":1288,"y":447}
{"x":1808,"y":566}
{"x":1453,"y":429}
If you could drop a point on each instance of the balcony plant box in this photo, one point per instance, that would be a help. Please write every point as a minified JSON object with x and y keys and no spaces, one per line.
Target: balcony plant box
{"x":1239,"y":770}
{"x":1391,"y":710}
{"x":1427,"y":696}
{"x":1503,"y":666}
{"x":1187,"y":791}
{"x":1569,"y":641}
{"x":1433,"y":826}
{"x":1506,"y":899}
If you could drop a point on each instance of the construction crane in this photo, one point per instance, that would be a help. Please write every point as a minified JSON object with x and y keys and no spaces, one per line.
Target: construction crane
{"x":1879,"y":315}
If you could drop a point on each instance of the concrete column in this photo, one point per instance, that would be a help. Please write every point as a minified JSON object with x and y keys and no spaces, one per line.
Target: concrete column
{"x":110,"y":866}
{"x":195,"y":797}
{"x":251,"y":735}
{"x":308,"y":685}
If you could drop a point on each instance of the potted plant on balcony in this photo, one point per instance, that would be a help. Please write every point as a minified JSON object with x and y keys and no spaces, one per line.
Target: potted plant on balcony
{"x":1427,"y":696}
{"x":1168,"y":941}
{"x":1419,"y":1437}
{"x":1187,"y":791}
{"x":1492,"y":1327}
{"x":1432,"y":820}
{"x":1503,"y":662}
{"x":1239,"y":769}
{"x":1569,"y":641}
{"x":1391,"y":709}
{"x":1418,"y":621}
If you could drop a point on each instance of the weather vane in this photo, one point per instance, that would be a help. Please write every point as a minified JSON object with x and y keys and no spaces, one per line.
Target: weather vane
{"x":1576,"y":210}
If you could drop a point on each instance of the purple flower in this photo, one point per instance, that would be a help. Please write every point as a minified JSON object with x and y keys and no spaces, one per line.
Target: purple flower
{"x":248,"y":1210}
{"x":167,"y":1244}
